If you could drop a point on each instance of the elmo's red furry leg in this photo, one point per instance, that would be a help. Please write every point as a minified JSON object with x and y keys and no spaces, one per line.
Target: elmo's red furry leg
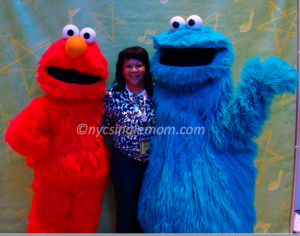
{"x":49,"y":211}
{"x":86,"y":208}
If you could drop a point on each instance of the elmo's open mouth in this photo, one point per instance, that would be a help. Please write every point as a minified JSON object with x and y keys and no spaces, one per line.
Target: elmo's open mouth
{"x":184,"y":57}
{"x":72,"y":76}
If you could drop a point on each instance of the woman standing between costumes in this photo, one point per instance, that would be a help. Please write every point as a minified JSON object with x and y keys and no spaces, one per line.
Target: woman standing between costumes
{"x":129,"y":110}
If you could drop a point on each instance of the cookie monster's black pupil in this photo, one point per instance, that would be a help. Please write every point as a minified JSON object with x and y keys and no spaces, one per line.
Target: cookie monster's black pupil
{"x":191,"y":22}
{"x":70,"y":32}
{"x":175,"y":24}
{"x":86,"y":35}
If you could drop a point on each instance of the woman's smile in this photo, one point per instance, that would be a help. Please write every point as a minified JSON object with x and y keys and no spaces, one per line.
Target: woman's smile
{"x":134,"y":72}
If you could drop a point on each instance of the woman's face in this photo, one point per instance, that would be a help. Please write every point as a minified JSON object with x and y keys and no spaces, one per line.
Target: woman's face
{"x":134,"y":72}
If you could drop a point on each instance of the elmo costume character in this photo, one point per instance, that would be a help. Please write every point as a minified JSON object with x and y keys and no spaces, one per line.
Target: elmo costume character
{"x":57,"y":134}
{"x":203,"y":180}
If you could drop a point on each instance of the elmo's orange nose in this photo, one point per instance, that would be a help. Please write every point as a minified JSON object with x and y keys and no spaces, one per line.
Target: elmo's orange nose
{"x":75,"y":47}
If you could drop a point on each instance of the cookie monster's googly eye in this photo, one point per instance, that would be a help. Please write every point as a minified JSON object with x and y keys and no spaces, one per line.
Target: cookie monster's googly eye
{"x":177,"y":23}
{"x":88,"y":34}
{"x":69,"y":31}
{"x":194,"y":22}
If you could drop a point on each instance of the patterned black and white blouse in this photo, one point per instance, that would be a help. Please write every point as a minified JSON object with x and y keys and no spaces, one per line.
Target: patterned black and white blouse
{"x":121,"y":118}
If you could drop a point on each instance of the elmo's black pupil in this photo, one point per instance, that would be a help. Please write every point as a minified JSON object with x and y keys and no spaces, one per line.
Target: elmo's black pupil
{"x":70,"y":32}
{"x":86,"y":35}
{"x":175,"y":24}
{"x":191,"y":22}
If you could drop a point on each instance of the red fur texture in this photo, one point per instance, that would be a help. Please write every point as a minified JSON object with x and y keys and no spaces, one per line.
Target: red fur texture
{"x":70,"y":170}
{"x":92,"y":62}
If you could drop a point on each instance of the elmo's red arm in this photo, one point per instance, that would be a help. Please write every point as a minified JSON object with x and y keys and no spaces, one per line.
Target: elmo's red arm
{"x":29,"y":132}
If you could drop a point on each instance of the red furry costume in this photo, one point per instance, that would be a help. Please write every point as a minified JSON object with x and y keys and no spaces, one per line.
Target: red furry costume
{"x":70,"y":170}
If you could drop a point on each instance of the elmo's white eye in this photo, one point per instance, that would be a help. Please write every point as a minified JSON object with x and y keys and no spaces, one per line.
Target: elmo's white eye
{"x":69,"y":31}
{"x":194,"y":22}
{"x":88,"y":34}
{"x":177,"y":23}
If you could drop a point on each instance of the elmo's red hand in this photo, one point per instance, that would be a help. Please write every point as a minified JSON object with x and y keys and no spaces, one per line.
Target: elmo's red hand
{"x":29,"y":133}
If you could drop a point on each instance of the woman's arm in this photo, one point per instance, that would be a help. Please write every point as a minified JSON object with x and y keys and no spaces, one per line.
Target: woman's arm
{"x":107,"y":119}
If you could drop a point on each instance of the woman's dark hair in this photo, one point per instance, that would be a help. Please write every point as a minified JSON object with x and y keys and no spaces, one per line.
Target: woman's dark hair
{"x":136,"y":53}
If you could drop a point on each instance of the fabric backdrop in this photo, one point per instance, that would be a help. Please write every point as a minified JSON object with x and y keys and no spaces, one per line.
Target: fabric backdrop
{"x":256,"y":27}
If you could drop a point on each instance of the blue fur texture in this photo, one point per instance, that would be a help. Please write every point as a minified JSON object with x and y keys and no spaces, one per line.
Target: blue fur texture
{"x":204,"y":182}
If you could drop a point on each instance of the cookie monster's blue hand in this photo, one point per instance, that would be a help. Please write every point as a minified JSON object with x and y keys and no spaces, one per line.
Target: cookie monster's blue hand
{"x":261,"y":81}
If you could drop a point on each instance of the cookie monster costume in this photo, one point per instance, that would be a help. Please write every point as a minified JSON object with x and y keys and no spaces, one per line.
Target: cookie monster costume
{"x":204,"y":182}
{"x":70,"y":163}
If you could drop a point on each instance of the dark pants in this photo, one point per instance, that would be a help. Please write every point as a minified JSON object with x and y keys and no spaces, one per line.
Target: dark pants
{"x":127,"y":176}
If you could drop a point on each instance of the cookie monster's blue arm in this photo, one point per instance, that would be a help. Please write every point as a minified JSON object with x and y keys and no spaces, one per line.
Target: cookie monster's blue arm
{"x":251,"y":102}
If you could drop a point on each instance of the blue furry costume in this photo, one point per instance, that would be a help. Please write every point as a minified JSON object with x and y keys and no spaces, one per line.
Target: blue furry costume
{"x":204,"y":182}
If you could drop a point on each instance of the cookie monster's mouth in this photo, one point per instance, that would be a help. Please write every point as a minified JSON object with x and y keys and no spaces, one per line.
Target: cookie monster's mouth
{"x":185,"y":57}
{"x":72,"y":76}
